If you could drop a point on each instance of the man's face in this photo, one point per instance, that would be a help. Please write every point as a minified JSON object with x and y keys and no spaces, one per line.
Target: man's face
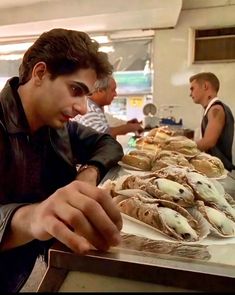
{"x":197,"y":91}
{"x":105,"y":96}
{"x":63,"y":98}
{"x":111,"y":92}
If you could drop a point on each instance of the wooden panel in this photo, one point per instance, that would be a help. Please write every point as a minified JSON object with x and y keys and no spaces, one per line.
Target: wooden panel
{"x":216,"y":49}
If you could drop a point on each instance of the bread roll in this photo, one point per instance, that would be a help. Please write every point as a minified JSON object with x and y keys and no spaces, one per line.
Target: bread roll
{"x":166,"y":158}
{"x":180,"y":144}
{"x":159,"y":134}
{"x":161,"y":130}
{"x":209,"y":165}
{"x":141,"y":144}
{"x":146,"y":153}
{"x":141,"y":162}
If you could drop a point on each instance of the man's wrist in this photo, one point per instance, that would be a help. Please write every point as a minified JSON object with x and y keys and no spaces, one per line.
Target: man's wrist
{"x":89,"y":166}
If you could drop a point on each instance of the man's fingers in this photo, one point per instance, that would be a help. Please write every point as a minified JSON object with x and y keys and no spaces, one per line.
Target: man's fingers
{"x":104,"y":199}
{"x":79,"y":223}
{"x":63,"y":234}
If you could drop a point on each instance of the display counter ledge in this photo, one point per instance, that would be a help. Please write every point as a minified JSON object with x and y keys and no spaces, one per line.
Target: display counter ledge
{"x":143,"y":260}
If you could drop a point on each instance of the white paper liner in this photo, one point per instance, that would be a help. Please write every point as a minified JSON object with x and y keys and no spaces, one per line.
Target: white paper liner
{"x":139,"y":228}
{"x":213,"y":231}
{"x":203,"y":227}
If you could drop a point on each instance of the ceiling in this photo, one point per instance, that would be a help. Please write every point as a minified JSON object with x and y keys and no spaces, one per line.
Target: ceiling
{"x":32,"y":17}
{"x":86,"y":15}
{"x":18,"y":3}
{"x":187,"y":4}
{"x":195,"y":4}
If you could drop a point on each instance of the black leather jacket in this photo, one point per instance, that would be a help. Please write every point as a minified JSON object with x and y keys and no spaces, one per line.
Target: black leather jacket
{"x":33,"y":167}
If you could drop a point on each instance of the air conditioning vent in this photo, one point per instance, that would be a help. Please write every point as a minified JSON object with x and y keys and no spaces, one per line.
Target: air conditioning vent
{"x":214,"y":45}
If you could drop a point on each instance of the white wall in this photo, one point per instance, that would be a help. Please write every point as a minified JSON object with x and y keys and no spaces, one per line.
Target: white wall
{"x":172,"y":70}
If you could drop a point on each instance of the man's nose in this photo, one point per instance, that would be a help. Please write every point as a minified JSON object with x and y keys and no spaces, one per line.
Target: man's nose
{"x":81,"y":106}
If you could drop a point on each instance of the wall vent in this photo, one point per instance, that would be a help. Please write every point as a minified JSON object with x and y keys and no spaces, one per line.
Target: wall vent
{"x":214,"y":45}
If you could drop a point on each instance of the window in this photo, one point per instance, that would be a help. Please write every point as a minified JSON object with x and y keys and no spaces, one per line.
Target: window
{"x":133,"y":72}
{"x":214,"y":45}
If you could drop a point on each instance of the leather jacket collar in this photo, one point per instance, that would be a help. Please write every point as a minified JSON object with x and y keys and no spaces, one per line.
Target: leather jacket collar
{"x":13,"y":113}
{"x":15,"y":120}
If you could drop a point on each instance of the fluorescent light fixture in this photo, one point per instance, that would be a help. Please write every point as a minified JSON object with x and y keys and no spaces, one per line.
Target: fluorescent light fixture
{"x":130,"y":34}
{"x":8,"y":48}
{"x":101,"y":39}
{"x":11,"y":56}
{"x":106,"y":49}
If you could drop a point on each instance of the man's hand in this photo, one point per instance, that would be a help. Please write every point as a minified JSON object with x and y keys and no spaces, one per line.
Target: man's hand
{"x":134,"y":120}
{"x":79,"y":215}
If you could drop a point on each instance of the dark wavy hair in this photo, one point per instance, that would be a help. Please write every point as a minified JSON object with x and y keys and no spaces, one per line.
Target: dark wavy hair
{"x":64,"y":52}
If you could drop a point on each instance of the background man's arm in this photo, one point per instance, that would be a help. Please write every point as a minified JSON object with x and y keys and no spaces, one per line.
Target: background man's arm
{"x":216,"y":121}
{"x":125,"y":128}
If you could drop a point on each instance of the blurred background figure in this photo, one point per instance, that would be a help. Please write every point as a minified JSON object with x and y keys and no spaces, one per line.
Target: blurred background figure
{"x":105,"y":91}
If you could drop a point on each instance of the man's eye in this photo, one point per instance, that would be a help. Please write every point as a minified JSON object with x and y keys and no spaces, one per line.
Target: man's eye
{"x":77,"y":91}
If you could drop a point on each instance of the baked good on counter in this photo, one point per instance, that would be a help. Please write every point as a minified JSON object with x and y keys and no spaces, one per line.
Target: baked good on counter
{"x":139,"y":161}
{"x":209,"y":165}
{"x":151,"y":140}
{"x":165,"y":158}
{"x":165,"y":216}
{"x":144,"y":144}
{"x":180,"y":144}
{"x":158,"y":198}
{"x":147,"y":153}
{"x":160,"y":134}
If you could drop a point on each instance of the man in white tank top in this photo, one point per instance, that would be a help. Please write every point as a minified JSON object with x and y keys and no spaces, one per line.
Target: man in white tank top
{"x":217,"y":126}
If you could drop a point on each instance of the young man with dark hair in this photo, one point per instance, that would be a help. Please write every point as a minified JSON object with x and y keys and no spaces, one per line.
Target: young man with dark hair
{"x":42,"y":194}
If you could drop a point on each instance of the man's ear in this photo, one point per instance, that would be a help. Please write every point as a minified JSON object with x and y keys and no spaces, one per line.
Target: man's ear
{"x":206,"y":85}
{"x":39,"y":72}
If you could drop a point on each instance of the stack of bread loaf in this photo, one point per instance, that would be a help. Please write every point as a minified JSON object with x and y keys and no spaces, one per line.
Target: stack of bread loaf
{"x":163,"y":147}
{"x":163,"y":138}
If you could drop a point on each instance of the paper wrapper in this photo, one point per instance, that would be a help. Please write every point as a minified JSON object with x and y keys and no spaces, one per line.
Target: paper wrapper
{"x":139,"y":228}
{"x":213,"y":231}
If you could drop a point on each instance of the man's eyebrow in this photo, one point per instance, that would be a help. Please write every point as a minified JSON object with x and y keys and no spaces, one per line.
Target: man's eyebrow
{"x":82,"y":85}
